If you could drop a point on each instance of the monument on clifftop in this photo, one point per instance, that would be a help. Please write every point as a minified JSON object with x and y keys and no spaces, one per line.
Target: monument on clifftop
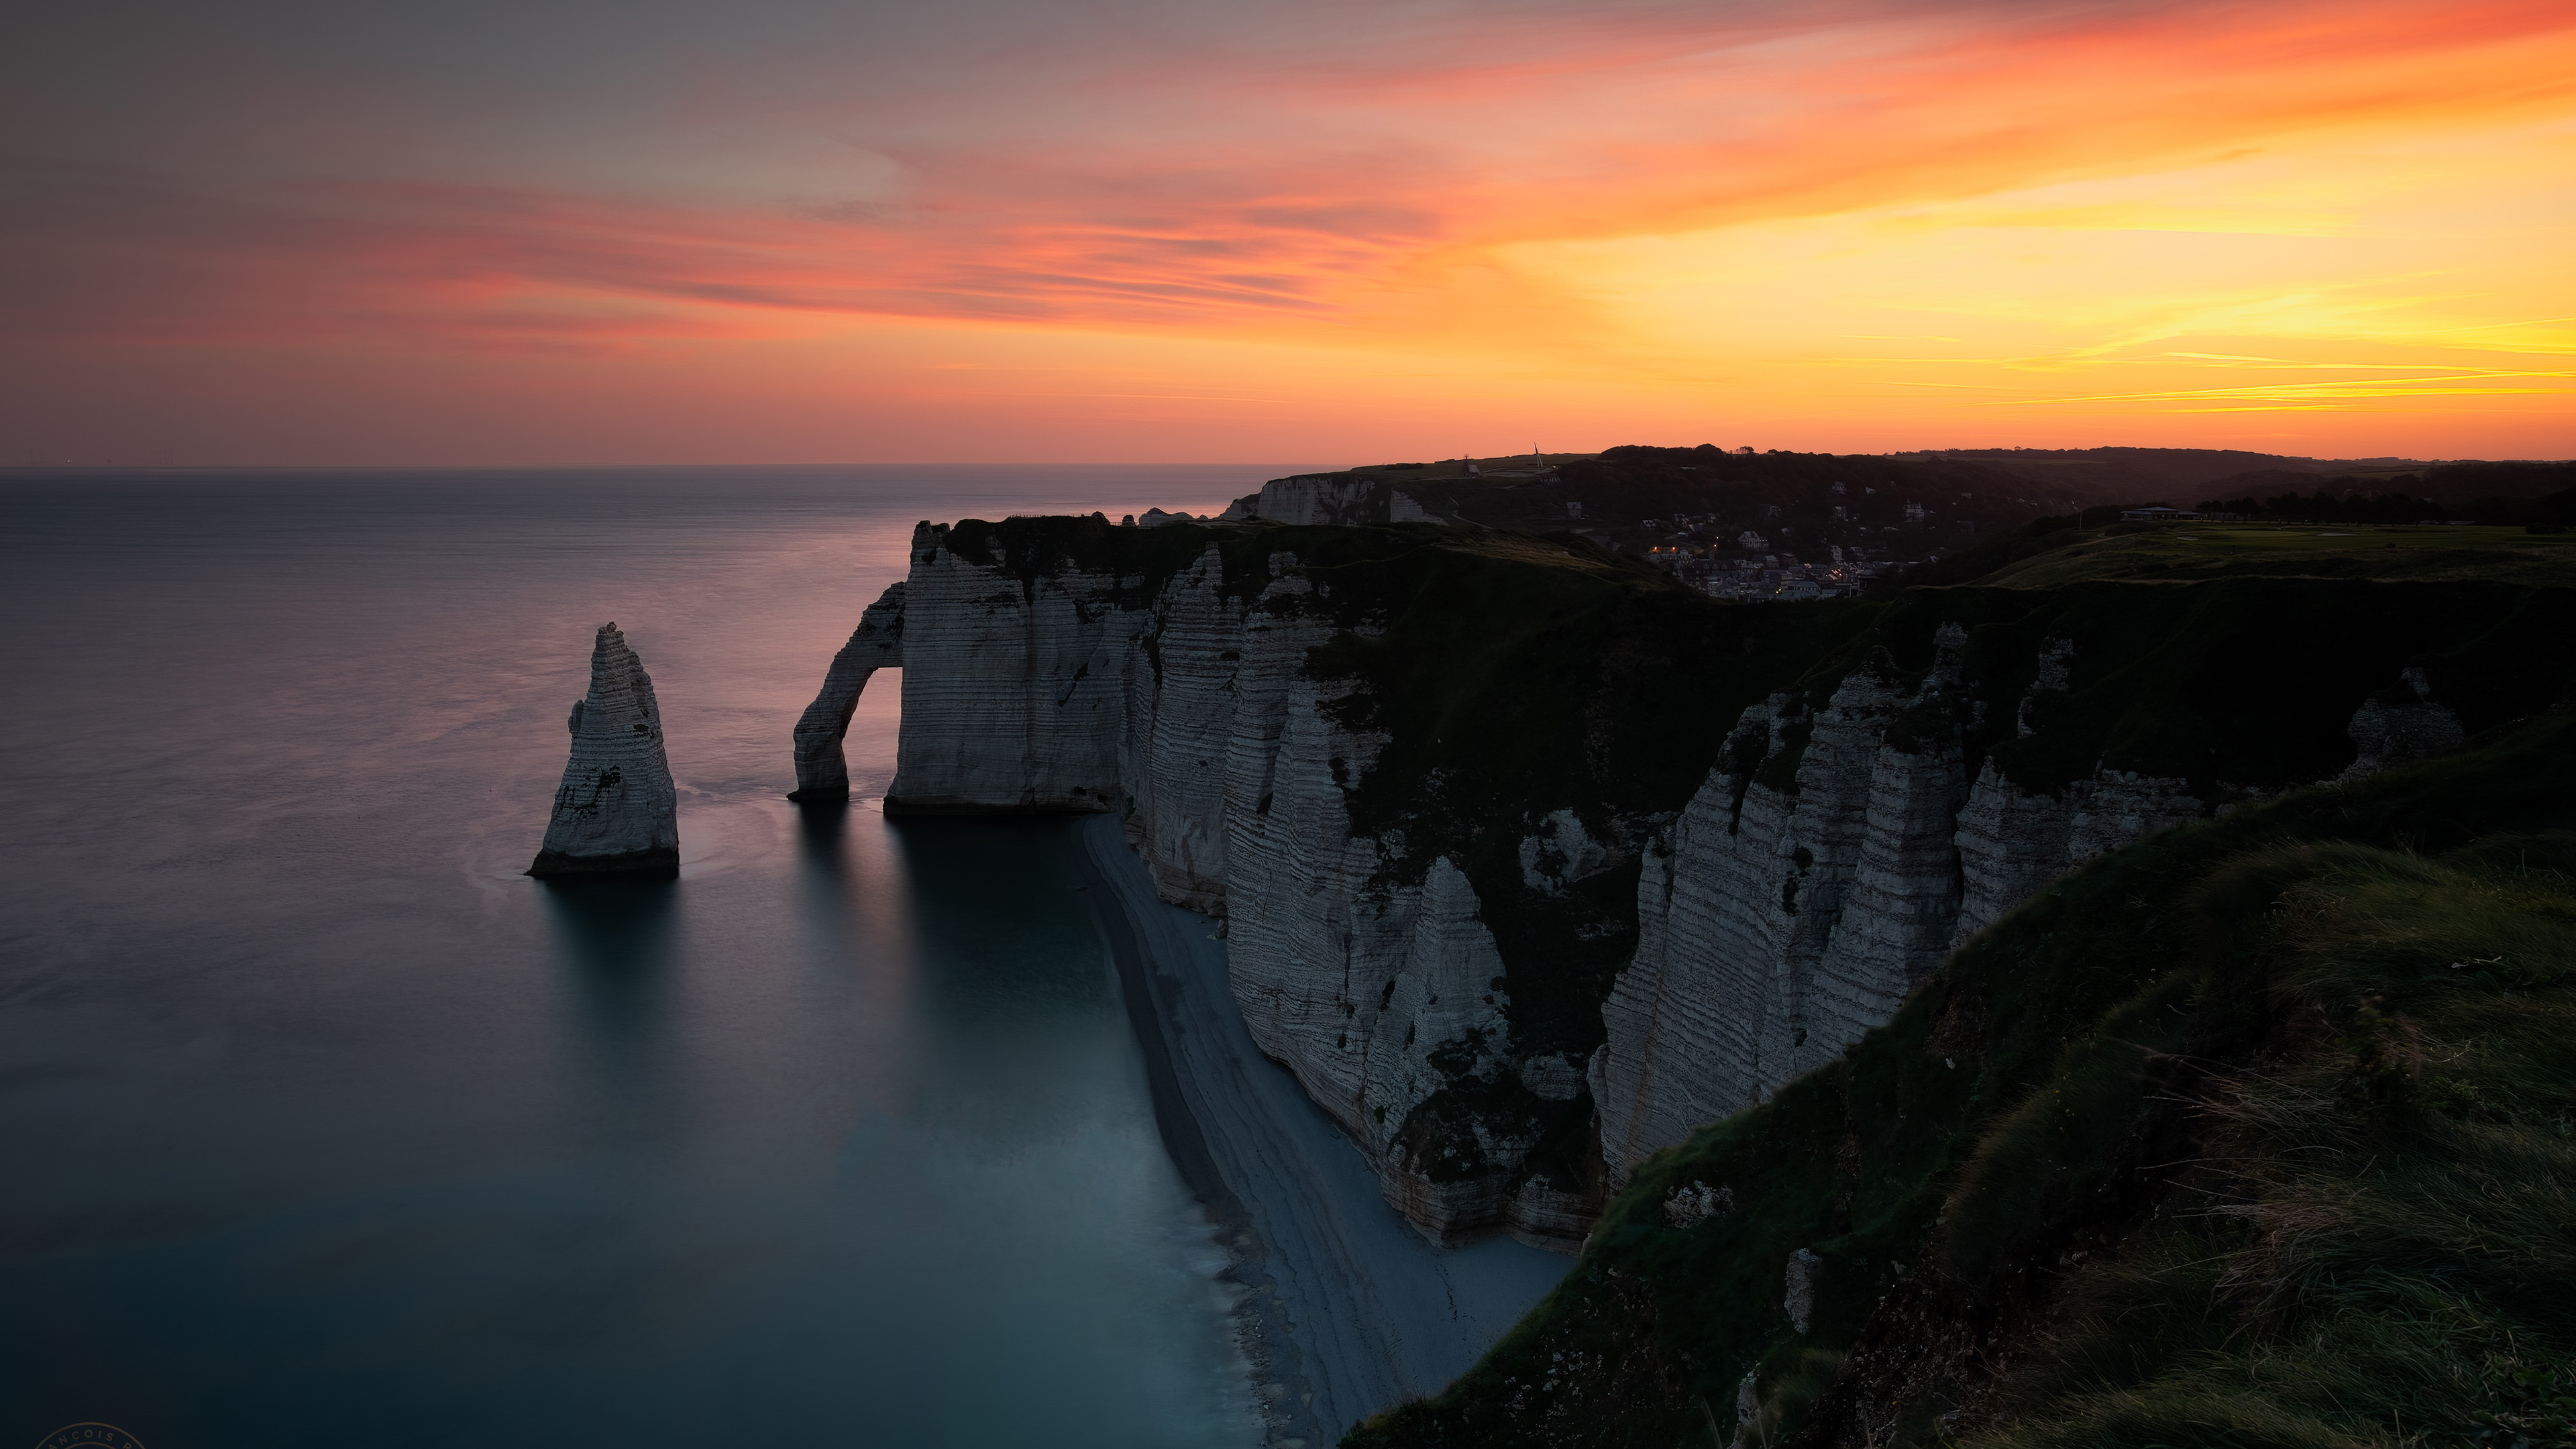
{"x":616,"y":812}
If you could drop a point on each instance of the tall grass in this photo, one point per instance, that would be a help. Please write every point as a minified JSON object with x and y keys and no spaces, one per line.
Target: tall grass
{"x":2380,"y":1247}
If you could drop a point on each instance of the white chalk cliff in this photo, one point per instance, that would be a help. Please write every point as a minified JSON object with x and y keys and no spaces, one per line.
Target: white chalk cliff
{"x":617,"y":812}
{"x":1808,"y":887}
{"x":1187,"y":710}
{"x":821,"y":772}
{"x":1847,"y":840}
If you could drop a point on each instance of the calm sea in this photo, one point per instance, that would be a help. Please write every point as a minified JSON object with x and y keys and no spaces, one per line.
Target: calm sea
{"x":321,"y":1125}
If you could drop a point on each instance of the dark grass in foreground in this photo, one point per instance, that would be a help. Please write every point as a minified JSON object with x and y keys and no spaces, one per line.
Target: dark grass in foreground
{"x":2256,"y":1133}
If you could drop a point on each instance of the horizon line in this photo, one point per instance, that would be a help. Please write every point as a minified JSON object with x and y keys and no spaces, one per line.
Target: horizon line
{"x":391,"y":467}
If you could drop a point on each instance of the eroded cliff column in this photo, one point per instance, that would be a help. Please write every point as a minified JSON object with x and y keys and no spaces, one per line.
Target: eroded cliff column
{"x":821,"y":773}
{"x":617,"y":812}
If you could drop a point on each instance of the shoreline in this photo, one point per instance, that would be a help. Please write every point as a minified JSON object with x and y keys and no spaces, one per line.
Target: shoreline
{"x":1345,"y":1308}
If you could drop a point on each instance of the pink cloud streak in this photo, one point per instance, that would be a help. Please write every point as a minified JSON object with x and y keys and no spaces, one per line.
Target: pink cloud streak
{"x":1219,"y":187}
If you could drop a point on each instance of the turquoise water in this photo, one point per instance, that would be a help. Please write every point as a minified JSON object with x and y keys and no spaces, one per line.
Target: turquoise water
{"x":323,"y":1126}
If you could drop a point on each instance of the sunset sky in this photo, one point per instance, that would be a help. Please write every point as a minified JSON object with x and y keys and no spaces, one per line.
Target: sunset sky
{"x":1005,"y":230}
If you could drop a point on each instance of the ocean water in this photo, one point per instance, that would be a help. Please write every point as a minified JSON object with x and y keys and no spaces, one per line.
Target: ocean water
{"x":322,"y":1125}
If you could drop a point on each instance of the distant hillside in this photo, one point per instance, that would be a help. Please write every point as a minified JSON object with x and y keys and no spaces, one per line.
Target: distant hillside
{"x":2478,"y":492}
{"x":2180,"y":475}
{"x":1970,"y":511}
{"x":1805,"y":502}
{"x":2050,"y":553}
{"x":2489,"y":480}
{"x":2133,"y":474}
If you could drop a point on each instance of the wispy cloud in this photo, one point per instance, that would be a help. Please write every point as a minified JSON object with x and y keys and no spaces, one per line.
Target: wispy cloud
{"x":1408,"y":177}
{"x":1368,"y":180}
{"x":2326,"y":394}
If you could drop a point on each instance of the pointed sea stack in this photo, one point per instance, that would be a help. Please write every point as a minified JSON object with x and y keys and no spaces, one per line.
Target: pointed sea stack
{"x":616,"y":812}
{"x":821,"y":773}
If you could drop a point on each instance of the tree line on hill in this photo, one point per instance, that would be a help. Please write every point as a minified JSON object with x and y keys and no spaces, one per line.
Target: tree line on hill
{"x":2411,"y":497}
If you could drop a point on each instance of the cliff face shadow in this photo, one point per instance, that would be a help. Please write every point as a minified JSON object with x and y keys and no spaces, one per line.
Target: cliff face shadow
{"x":617,"y":936}
{"x":1010,"y":980}
{"x":825,"y":865}
{"x":1006,"y":934}
{"x":823,"y":835}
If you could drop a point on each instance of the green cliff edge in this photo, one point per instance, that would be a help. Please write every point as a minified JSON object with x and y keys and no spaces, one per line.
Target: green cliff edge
{"x":2256,"y":1132}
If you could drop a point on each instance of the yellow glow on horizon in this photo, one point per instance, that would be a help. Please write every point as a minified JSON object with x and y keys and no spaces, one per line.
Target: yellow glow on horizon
{"x":2180,"y":290}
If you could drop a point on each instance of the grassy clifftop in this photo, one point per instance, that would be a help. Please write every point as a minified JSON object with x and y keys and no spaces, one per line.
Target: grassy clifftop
{"x":2259,"y":1132}
{"x":2053,"y":552}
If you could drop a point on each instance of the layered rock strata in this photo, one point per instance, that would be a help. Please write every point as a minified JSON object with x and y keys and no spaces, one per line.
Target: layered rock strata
{"x":616,"y":812}
{"x":1014,"y":690}
{"x":822,"y":774}
{"x":1185,"y":704}
{"x":1837,"y":855}
{"x":1434,"y":945}
{"x":1344,"y":1310}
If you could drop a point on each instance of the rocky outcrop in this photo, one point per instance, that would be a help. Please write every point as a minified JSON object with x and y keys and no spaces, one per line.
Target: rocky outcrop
{"x":821,"y":772}
{"x":2402,"y":724}
{"x":1561,"y":853}
{"x":617,"y":812}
